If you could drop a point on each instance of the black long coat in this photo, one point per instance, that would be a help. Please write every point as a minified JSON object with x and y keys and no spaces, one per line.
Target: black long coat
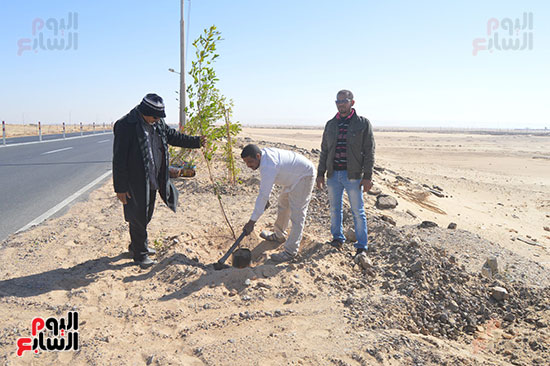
{"x":131,"y":159}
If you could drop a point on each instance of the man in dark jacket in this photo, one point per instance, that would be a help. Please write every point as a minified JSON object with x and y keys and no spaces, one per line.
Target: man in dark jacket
{"x":140,"y":168}
{"x":347,"y":156}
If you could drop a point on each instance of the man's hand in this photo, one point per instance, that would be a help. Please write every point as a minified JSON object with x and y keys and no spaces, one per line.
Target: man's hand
{"x":320,"y":181}
{"x":203,"y":140}
{"x":366,"y":184}
{"x":122,"y":197}
{"x":249,"y":227}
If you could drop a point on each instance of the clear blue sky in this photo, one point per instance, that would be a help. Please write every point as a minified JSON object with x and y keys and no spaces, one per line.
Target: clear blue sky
{"x":409,"y":63}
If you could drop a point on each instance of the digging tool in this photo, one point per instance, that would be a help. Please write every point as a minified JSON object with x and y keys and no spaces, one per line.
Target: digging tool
{"x":221,"y":263}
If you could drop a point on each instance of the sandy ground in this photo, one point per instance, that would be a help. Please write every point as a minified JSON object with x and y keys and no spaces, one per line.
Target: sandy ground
{"x":17,"y":130}
{"x":421,"y":300}
{"x":497,"y":186}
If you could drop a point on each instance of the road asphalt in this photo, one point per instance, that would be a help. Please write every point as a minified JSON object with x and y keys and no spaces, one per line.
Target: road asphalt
{"x":41,"y":179}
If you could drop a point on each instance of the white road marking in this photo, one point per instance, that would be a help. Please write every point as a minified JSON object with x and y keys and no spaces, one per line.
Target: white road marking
{"x":58,"y":150}
{"x":64,"y":203}
{"x":102,"y":141}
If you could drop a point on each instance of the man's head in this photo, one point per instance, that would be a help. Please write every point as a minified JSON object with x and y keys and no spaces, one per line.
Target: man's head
{"x":344,"y":102}
{"x":152,"y":108}
{"x":252,"y":155}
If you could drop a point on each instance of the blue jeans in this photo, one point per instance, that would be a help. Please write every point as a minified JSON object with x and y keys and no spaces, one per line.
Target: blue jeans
{"x":336,"y":185}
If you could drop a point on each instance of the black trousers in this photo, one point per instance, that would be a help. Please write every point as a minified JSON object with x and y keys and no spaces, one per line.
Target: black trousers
{"x":138,"y":225}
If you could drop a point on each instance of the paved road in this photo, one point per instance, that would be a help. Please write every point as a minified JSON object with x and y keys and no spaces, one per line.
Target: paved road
{"x":35,"y":178}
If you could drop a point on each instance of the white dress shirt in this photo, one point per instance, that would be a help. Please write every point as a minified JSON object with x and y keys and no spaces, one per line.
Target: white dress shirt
{"x":282,"y":167}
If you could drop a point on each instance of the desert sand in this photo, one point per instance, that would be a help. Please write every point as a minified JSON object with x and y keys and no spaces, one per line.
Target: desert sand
{"x":31,"y":129}
{"x":497,"y":186}
{"x":422,"y":299}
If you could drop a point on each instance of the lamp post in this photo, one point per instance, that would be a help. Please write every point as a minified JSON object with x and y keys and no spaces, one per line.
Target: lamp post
{"x":182,"y":68}
{"x":181,"y":98}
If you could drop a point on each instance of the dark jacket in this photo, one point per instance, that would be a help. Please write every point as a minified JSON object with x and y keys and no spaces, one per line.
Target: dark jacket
{"x":131,"y":157}
{"x":360,"y":148}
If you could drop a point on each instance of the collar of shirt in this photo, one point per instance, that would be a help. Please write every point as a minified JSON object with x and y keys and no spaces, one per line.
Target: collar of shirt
{"x":348,"y":117}
{"x":150,"y":127}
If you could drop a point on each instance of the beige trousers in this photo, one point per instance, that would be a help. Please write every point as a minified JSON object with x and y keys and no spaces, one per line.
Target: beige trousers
{"x":292,"y":207}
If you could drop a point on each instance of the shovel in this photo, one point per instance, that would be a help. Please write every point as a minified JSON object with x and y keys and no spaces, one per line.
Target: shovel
{"x":240,"y":257}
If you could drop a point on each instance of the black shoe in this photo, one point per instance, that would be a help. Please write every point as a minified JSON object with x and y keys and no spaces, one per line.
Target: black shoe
{"x":145,"y":262}
{"x":150,"y":251}
{"x":337,"y":243}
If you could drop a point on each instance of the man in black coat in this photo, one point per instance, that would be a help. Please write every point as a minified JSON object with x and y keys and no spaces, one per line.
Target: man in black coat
{"x":140,"y":168}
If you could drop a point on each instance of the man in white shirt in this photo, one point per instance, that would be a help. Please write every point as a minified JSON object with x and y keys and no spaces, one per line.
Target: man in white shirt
{"x":297,"y":175}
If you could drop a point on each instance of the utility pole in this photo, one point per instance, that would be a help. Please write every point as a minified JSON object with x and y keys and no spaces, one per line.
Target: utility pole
{"x":182,"y":69}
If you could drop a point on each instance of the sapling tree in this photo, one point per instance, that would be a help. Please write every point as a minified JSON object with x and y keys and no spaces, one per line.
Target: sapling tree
{"x":206,"y":107}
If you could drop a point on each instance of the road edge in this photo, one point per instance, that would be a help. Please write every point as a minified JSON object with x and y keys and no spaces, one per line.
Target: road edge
{"x":64,"y":203}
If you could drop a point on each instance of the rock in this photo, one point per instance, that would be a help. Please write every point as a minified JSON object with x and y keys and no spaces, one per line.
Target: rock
{"x":526,"y":241}
{"x":417,"y":266}
{"x":412,"y":214}
{"x":384,"y":202}
{"x":453,"y":306}
{"x":388,"y":219}
{"x":546,"y":228}
{"x":436,"y":193}
{"x":252,"y":181}
{"x":499,"y":293}
{"x":374,"y":191}
{"x":452,"y":226}
{"x":415,"y":242}
{"x":363,"y":261}
{"x":348,"y":301}
{"x":486,"y":272}
{"x":350,"y":234}
{"x":264,"y":285}
{"x":510,"y":317}
{"x":427,"y":224}
{"x":247,"y":282}
{"x":492,"y":263}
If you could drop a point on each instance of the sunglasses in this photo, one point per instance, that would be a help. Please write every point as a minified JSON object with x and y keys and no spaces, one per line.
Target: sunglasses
{"x":342,"y":101}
